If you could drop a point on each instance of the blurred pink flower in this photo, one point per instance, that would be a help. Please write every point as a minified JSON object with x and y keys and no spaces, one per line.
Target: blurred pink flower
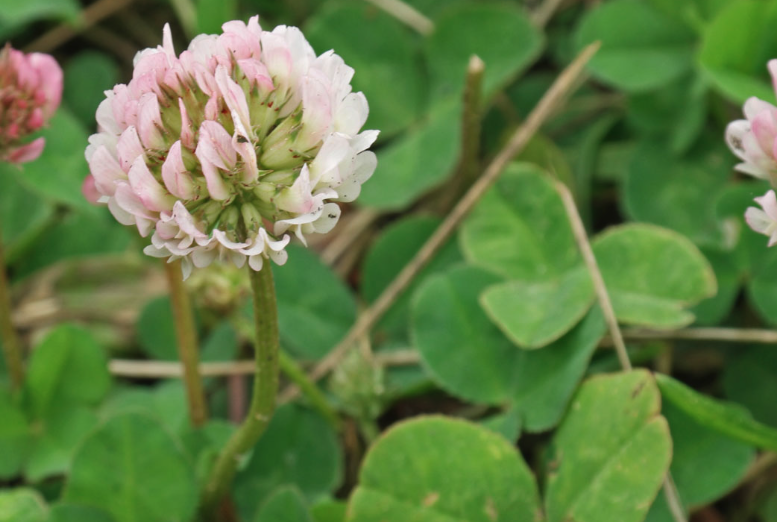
{"x":220,"y":151}
{"x":30,"y":92}
{"x":764,"y":221}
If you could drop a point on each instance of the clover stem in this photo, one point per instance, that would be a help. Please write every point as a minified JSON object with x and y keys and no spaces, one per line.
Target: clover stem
{"x":188,"y":351}
{"x":264,"y":394}
{"x":12,"y":345}
{"x":315,"y":396}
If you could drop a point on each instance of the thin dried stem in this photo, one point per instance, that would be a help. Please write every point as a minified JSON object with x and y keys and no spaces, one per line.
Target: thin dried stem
{"x":581,"y":237}
{"x":12,"y":345}
{"x":362,"y":220}
{"x":584,"y":245}
{"x":672,"y":497}
{"x":174,"y":370}
{"x":89,"y":16}
{"x":763,"y":462}
{"x":406,"y":14}
{"x":555,"y":95}
{"x":739,"y":335}
{"x":545,"y":11}
{"x":188,"y":350}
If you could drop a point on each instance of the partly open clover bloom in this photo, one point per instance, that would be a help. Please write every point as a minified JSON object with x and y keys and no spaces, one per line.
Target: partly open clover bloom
{"x":221,"y":151}
{"x":30,"y":92}
{"x":764,"y":221}
{"x":754,"y":141}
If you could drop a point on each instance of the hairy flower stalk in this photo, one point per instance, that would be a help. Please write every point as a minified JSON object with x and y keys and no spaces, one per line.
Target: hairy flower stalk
{"x":754,"y":141}
{"x":223,"y":151}
{"x":30,"y":92}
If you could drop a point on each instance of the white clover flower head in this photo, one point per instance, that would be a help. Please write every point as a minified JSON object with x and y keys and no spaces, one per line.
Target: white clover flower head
{"x":221,"y":151}
{"x":754,"y":139}
{"x":764,"y":221}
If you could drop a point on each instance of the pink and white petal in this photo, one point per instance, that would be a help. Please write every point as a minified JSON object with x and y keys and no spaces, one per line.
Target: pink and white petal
{"x":89,"y":190}
{"x":279,"y":258}
{"x":217,"y":187}
{"x":28,"y":152}
{"x":338,"y":73}
{"x":364,"y":140}
{"x":756,"y":155}
{"x":317,"y":117}
{"x":145,"y":226}
{"x":153,"y":251}
{"x":363,"y":167}
{"x":764,"y":127}
{"x":176,"y":177}
{"x":758,"y":220}
{"x":98,"y":140}
{"x":352,"y":114}
{"x":298,"y":197}
{"x":106,"y":171}
{"x":236,"y":102}
{"x":328,"y":218}
{"x":258,"y":76}
{"x":120,"y":99}
{"x":165,"y":230}
{"x":204,"y":256}
{"x":129,"y":148}
{"x":186,"y":221}
{"x":275,"y":245}
{"x":238,"y":259}
{"x":752,"y":170}
{"x":753,"y":106}
{"x":256,"y":262}
{"x":222,"y":238}
{"x":772,"y":66}
{"x":167,"y":42}
{"x":215,"y":146}
{"x":147,"y":188}
{"x":735,"y":136}
{"x":186,"y":267}
{"x":121,"y":215}
{"x":302,"y":54}
{"x":769,"y":203}
{"x":150,"y":122}
{"x":50,"y":80}
{"x":187,"y":130}
{"x":106,"y":121}
{"x":276,"y":55}
{"x":247,"y":153}
{"x":325,"y":168}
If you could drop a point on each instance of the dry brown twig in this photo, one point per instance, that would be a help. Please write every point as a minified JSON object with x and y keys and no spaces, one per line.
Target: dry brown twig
{"x":360,"y":222}
{"x":545,"y":11}
{"x":406,"y":14}
{"x":90,"y":16}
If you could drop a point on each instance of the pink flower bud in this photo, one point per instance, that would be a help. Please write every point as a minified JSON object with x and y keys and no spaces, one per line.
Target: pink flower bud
{"x":30,"y":92}
{"x":219,"y":151}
